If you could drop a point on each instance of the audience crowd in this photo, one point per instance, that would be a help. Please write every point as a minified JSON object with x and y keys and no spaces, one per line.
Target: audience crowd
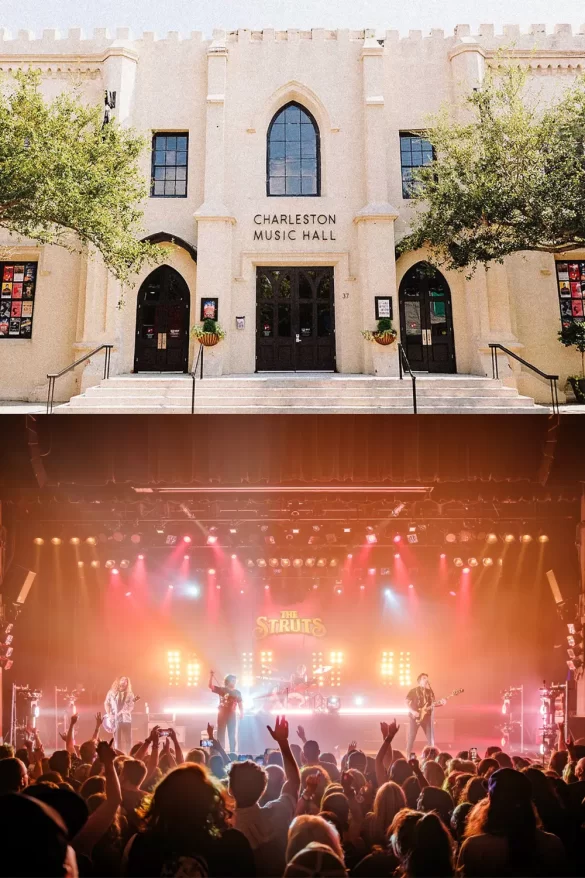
{"x":91,"y":810}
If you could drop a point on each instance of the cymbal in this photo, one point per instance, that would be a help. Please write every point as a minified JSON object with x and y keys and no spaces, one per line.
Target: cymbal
{"x":324,"y":670}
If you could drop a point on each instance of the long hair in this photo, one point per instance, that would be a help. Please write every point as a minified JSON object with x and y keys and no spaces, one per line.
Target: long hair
{"x":515,"y":821}
{"x":390,"y":799}
{"x":186,"y":805}
{"x":115,"y":687}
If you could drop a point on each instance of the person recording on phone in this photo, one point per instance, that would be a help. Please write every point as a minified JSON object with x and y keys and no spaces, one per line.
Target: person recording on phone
{"x":230,"y":702}
{"x":421,"y":705}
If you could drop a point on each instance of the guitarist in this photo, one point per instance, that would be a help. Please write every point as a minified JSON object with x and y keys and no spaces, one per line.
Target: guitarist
{"x":421,"y":703}
{"x":119,"y":705}
{"x":230,"y":701}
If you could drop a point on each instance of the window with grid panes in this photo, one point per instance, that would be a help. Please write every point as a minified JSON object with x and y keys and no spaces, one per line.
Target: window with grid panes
{"x":169,"y":165}
{"x":293,"y":162}
{"x":415,"y":152}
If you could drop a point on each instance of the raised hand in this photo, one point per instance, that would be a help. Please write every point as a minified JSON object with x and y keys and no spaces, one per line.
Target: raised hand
{"x":210,"y":731}
{"x":384,"y":729}
{"x":311,"y":784}
{"x":351,"y":746}
{"x":62,"y":736}
{"x":347,"y":784}
{"x":153,"y":737}
{"x":301,"y":733}
{"x":393,"y":729}
{"x":105,"y":752}
{"x":98,"y":718}
{"x":74,"y":718}
{"x":280,"y":730}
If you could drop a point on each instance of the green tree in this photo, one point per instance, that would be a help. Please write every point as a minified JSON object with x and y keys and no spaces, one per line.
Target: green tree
{"x":67,"y":179}
{"x":509,"y":178}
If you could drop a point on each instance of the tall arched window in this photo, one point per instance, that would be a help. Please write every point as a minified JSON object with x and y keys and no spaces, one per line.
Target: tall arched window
{"x":292,"y":153}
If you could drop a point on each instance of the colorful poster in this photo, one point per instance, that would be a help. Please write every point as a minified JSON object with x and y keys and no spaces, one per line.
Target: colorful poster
{"x":26,"y":327}
{"x":19,"y":272}
{"x":575,"y":290}
{"x":29,"y":271}
{"x":27,"y":290}
{"x":4,"y":309}
{"x":17,"y":291}
{"x":562,"y":271}
{"x":566,"y":308}
{"x":16,"y":309}
{"x":8,"y":272}
{"x":574,"y":271}
{"x":3,"y":328}
{"x":27,"y":309}
{"x":577,"y":308}
{"x":564,"y":288}
{"x":14,"y":326}
{"x":6,"y":291}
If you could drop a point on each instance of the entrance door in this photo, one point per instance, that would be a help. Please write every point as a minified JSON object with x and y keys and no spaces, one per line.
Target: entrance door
{"x":426,"y":321}
{"x":162,"y":323}
{"x":295,"y":320}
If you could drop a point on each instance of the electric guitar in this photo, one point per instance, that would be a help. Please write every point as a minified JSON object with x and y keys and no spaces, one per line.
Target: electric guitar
{"x":420,"y":715}
{"x":110,"y":720}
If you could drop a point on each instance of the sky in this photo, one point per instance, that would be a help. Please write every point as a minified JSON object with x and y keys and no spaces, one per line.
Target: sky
{"x":185,"y":16}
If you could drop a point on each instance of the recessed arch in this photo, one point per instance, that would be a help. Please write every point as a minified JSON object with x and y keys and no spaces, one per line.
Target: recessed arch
{"x":167,"y":238}
{"x":162,"y":322}
{"x":426,"y":319}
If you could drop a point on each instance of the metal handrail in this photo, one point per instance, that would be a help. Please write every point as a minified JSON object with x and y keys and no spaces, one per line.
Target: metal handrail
{"x":52,"y":377}
{"x":552,"y":379}
{"x":198,"y":363}
{"x":403,"y":361}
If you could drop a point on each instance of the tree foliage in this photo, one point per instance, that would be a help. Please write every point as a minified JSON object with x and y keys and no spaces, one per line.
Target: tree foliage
{"x":510,"y":178}
{"x":67,"y":179}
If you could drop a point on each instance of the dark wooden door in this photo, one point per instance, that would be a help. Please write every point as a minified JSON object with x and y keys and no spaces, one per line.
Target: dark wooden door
{"x":295,"y":319}
{"x":426,"y":320}
{"x":162,"y":323}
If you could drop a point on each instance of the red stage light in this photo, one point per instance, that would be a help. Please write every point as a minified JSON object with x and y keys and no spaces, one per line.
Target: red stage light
{"x":266,"y":586}
{"x":466,"y":569}
{"x":211,"y":540}
{"x":218,"y":586}
{"x":115,"y":571}
{"x":397,"y":555}
{"x":371,"y":538}
{"x":397,"y":538}
{"x":339,"y":590}
{"x":362,"y":587}
{"x":242,"y":591}
{"x":371,"y":571}
{"x":171,"y":587}
{"x":187,"y":539}
{"x":211,"y":571}
{"x":411,"y":585}
{"x":186,"y":557}
{"x":234,"y":557}
{"x":350,"y":557}
{"x":315,"y":585}
{"x":453,"y":594}
{"x":141,"y":557}
{"x":128,"y":593}
{"x":442,"y":556}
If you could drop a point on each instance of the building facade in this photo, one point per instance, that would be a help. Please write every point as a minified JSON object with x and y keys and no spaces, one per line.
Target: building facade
{"x":280,"y":171}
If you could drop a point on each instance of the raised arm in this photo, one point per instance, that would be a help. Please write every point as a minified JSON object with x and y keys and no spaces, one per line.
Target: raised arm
{"x":152,"y":764}
{"x":101,"y":819}
{"x":70,"y":739}
{"x":301,"y":734}
{"x":291,"y":769}
{"x":418,"y":773}
{"x":216,"y":745}
{"x":385,"y":749}
{"x":178,"y":752}
{"x":98,"y":725}
{"x":211,"y":681}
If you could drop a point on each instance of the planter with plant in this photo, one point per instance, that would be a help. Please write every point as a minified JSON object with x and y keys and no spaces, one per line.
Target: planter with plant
{"x":573,"y":336}
{"x":384,"y":334}
{"x":208,"y":333}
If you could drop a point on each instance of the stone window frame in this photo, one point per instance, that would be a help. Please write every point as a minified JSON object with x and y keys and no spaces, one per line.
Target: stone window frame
{"x":307,"y":112}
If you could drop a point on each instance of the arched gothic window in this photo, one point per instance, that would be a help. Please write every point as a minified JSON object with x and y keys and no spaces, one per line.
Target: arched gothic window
{"x":292,"y":153}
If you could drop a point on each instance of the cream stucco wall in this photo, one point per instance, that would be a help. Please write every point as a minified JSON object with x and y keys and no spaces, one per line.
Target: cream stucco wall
{"x":363,"y":88}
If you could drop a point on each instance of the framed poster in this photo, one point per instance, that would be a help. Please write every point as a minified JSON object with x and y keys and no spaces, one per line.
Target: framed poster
{"x":209,"y":309}
{"x":383,"y":305}
{"x":17,"y":294}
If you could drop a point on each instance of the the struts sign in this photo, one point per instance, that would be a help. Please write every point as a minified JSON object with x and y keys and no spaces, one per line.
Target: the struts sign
{"x":288,"y":623}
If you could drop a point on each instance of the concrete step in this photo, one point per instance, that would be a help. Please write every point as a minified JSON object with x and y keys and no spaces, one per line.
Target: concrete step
{"x":306,"y":401}
{"x":300,"y":410}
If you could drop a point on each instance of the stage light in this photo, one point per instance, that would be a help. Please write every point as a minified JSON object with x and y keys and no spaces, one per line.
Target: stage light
{"x":333,"y":704}
{"x":458,"y":562}
{"x":211,"y":571}
{"x":412,"y":539}
{"x":187,"y":538}
{"x":442,"y":556}
{"x":358,"y":700}
{"x":171,"y":539}
{"x":397,"y":538}
{"x":250,"y":563}
{"x":91,"y":541}
{"x":362,"y":587}
{"x":285,"y":562}
{"x":94,"y":563}
{"x":297,"y":562}
{"x":234,"y":557}
{"x":39,"y":541}
{"x":525,"y":538}
{"x":140,"y":557}
{"x":487,"y":562}
{"x":465,"y":536}
{"x":124,"y":563}
{"x":211,"y":539}
{"x":56,"y":541}
{"x":128,"y":593}
{"x":109,"y":564}
{"x":315,"y":585}
{"x":135,"y":538}
{"x":310,"y":562}
{"x":261,"y":562}
{"x":339,"y":590}
{"x":371,"y":539}
{"x":296,"y":530}
{"x":233,"y":530}
{"x":80,"y":564}
{"x":186,"y":557}
{"x":388,"y":592}
{"x":350,"y":556}
{"x":371,"y":570}
{"x":333,"y":562}
{"x":466,"y":570}
{"x":241,"y":591}
{"x":450,"y":538}
{"x":543,"y":538}
{"x":491,"y":538}
{"x":266,"y":587}
{"x":473,"y":562}
{"x":193,"y":591}
{"x":347,"y":530}
{"x":509,"y":538}
{"x":115,"y":571}
{"x":397,"y":555}
{"x":160,"y":528}
{"x":171,"y":586}
{"x":273,"y":562}
{"x":453,"y":594}
{"x":118,"y":536}
{"x":321,"y":562}
{"x":411,"y":585}
{"x":74,"y":541}
{"x":218,"y":586}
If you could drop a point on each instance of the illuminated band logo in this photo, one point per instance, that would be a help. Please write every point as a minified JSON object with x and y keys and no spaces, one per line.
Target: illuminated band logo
{"x":288,"y":623}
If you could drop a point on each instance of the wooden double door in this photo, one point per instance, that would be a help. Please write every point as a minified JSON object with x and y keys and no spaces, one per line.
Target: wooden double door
{"x":295,"y":319}
{"x":426,"y":320}
{"x":162,"y":323}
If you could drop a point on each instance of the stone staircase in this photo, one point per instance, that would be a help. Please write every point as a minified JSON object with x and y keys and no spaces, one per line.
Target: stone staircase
{"x":299,"y":393}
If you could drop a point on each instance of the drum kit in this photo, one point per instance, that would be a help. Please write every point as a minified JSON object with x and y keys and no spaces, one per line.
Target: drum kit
{"x":285,"y":693}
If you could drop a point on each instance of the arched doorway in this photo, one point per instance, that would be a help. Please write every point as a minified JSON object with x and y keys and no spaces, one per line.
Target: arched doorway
{"x":426,"y":319}
{"x":162,"y":323}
